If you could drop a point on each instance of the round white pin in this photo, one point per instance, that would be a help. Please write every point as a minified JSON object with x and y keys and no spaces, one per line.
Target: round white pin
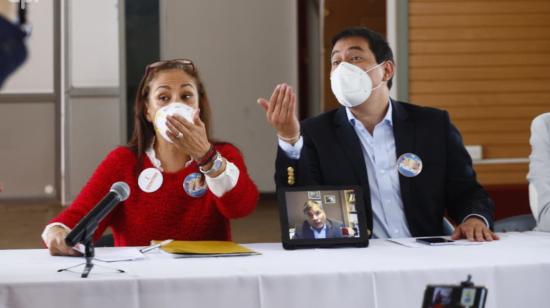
{"x":150,"y":180}
{"x":409,"y":165}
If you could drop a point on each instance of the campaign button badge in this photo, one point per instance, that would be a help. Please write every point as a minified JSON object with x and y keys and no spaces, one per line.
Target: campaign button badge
{"x":195,"y":185}
{"x":150,"y":180}
{"x":409,"y":165}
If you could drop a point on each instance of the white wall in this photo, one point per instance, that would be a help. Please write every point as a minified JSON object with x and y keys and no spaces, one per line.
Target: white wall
{"x":93,"y":123}
{"x":242,"y":48}
{"x":27,"y":149}
{"x":94,"y":43}
{"x":397,"y":36}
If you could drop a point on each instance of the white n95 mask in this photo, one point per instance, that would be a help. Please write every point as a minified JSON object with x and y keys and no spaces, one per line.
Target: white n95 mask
{"x":351,"y":85}
{"x":171,"y":109}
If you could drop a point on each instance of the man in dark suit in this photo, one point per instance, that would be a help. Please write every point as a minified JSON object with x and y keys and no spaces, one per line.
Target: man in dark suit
{"x":410,"y":160}
{"x":317,"y":225}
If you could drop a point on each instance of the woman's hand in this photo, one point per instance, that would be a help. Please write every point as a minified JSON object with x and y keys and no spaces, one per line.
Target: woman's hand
{"x":280,"y":113}
{"x":189,"y":137}
{"x":55,"y":240}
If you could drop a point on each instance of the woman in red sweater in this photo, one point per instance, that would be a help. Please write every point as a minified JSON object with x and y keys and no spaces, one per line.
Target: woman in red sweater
{"x":183,"y":185}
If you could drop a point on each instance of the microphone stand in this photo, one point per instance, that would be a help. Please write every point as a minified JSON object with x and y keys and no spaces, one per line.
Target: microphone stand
{"x":89,"y":251}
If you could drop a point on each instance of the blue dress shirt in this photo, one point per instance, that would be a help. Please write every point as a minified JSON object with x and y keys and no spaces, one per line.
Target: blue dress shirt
{"x":319,"y":233}
{"x":381,"y":161}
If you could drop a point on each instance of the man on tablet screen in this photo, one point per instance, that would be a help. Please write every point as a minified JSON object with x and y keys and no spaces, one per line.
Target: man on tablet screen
{"x":317,"y":225}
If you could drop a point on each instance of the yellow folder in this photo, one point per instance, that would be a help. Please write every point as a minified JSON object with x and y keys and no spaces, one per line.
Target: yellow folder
{"x":206,"y":248}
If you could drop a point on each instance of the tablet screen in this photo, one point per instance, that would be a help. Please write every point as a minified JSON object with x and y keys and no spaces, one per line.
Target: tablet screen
{"x":321,"y":214}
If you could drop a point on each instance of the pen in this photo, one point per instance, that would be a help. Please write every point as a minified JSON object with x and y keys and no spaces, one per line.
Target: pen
{"x":147,"y":249}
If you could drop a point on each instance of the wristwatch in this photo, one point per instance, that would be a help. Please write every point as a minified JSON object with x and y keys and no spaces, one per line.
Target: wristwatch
{"x":216,"y":165}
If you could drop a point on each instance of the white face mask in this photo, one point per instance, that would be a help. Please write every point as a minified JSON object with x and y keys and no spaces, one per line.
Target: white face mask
{"x":171,"y":109}
{"x":351,"y":85}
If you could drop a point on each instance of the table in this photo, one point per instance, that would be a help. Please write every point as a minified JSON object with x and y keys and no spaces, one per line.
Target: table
{"x":516,"y":270}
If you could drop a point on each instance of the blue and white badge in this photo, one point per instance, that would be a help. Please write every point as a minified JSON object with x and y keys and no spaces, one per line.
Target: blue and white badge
{"x":195,"y":185}
{"x":409,"y":165}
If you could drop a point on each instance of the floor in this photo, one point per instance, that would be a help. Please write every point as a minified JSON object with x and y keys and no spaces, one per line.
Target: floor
{"x":22,"y":223}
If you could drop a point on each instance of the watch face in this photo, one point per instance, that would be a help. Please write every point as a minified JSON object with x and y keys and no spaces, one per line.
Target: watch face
{"x":216,"y":165}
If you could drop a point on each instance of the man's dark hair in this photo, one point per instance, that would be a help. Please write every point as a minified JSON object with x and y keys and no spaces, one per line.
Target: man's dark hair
{"x":377,"y":44}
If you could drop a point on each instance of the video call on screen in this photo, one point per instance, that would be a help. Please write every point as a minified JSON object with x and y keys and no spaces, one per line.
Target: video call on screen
{"x":322,"y":214}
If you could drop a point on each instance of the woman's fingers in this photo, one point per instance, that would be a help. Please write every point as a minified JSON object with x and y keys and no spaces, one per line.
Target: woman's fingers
{"x":190,"y":137}
{"x":178,"y":133}
{"x":171,"y":135}
{"x":178,"y":125}
{"x":58,"y":247}
{"x":179,"y":121}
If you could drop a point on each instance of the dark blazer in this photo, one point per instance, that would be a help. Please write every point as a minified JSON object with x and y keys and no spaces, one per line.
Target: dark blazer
{"x":332,"y":155}
{"x":333,"y":230}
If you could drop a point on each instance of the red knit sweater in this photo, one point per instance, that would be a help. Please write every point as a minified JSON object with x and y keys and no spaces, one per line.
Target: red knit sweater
{"x":169,"y":212}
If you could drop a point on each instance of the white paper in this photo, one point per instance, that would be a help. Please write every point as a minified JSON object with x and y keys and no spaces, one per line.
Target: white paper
{"x":113,"y":254}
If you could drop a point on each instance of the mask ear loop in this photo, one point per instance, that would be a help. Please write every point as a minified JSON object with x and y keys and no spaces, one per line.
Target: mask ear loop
{"x":377,"y":65}
{"x":381,"y":82}
{"x":379,"y":85}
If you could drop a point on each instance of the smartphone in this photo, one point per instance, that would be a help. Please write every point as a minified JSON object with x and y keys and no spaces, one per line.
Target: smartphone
{"x":434,"y":241}
{"x":454,"y":296}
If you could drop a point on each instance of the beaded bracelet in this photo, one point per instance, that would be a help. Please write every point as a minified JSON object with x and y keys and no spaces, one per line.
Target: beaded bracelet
{"x":207,"y":157}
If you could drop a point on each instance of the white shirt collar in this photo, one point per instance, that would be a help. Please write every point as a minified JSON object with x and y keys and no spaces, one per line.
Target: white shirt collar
{"x":321,"y":233}
{"x":151,"y":154}
{"x":387,"y":118}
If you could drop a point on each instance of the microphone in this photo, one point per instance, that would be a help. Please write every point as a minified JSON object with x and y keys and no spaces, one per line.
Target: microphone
{"x":86,"y":227}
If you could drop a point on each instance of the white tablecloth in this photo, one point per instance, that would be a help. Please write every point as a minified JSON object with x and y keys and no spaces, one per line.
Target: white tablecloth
{"x":516,"y":271}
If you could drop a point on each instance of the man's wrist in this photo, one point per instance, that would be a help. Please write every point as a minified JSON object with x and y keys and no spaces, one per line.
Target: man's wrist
{"x":207,"y":157}
{"x":480,"y":217}
{"x":292,"y":151}
{"x":292,"y":140}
